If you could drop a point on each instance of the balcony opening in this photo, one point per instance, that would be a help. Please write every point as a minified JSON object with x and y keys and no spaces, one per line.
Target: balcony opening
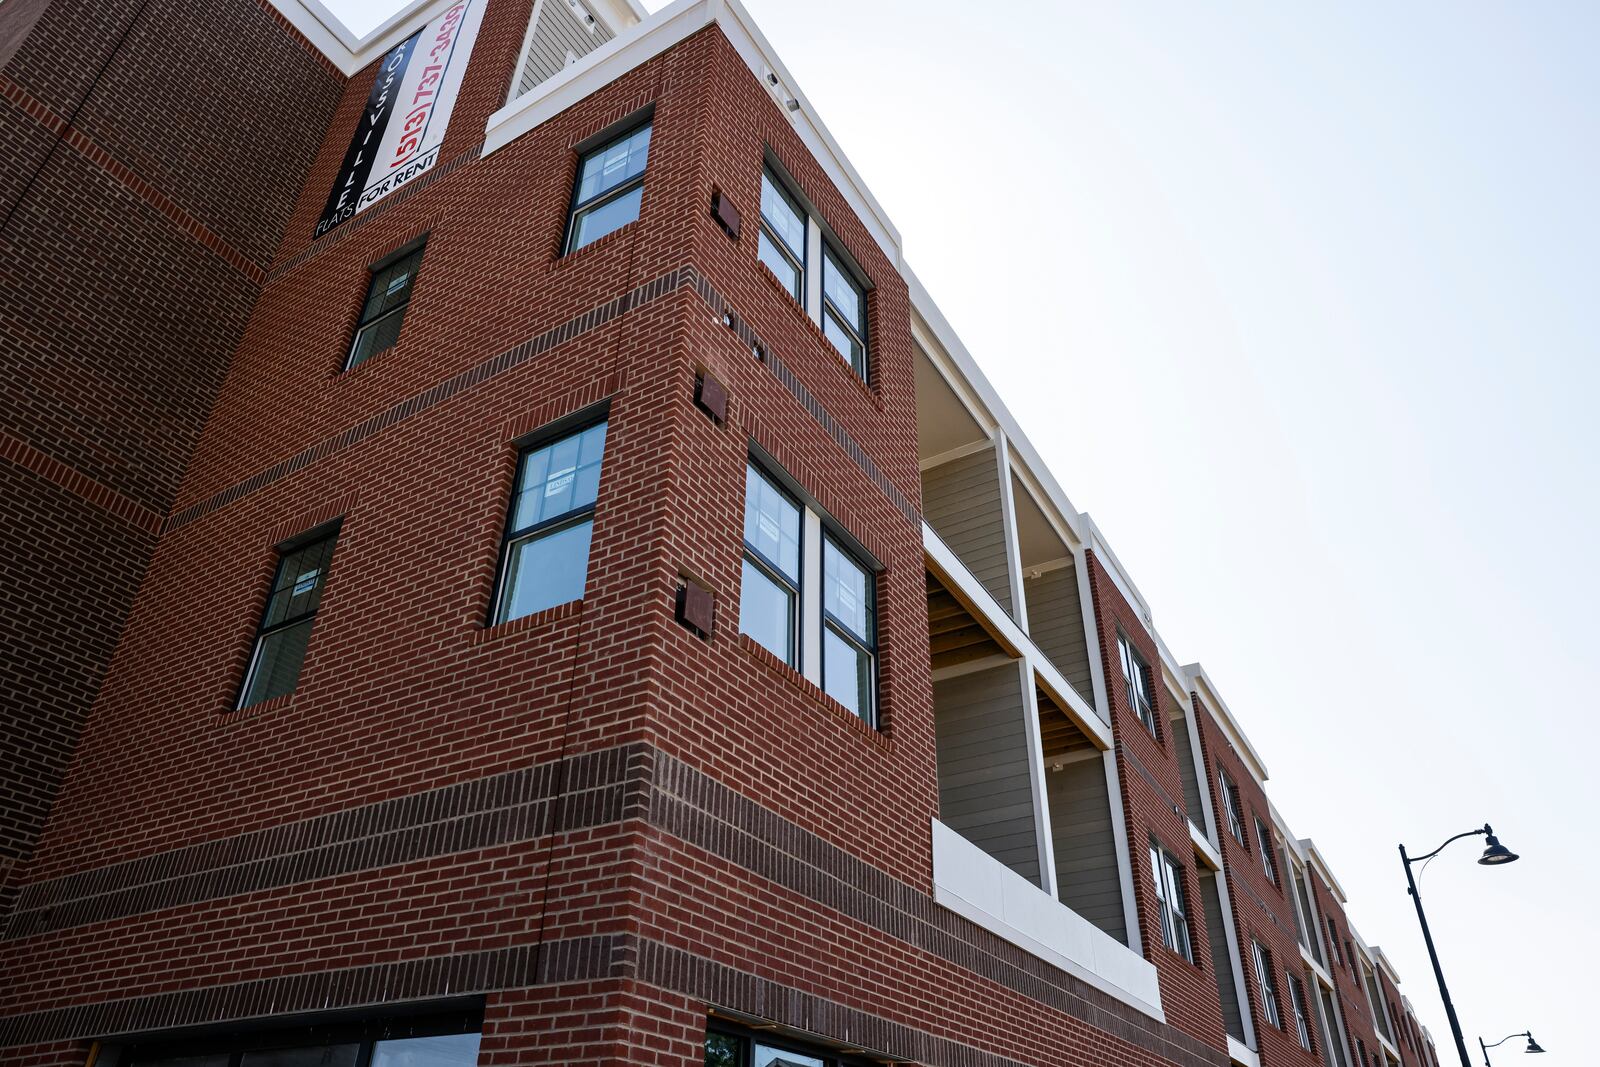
{"x":1184,"y":750}
{"x":1221,"y":960}
{"x":955,"y":636}
{"x":1087,"y":877}
{"x":1050,"y":592}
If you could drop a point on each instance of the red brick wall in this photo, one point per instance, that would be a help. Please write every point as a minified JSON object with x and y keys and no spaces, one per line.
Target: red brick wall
{"x":137,"y":216}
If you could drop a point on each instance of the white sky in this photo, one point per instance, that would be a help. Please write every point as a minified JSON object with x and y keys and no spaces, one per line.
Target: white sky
{"x":1296,"y":300}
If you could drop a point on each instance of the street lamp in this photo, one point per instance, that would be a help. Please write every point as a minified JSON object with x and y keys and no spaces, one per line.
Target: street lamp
{"x":1494,"y":855}
{"x":1533,"y":1046}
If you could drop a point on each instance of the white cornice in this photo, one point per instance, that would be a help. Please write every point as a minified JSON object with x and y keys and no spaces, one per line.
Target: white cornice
{"x":1202,"y":684}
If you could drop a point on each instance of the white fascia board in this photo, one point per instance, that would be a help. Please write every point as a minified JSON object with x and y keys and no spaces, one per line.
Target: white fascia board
{"x":344,"y":49}
{"x":938,"y":328}
{"x":1320,"y":865}
{"x":943,"y":561}
{"x":1316,"y":968}
{"x":1243,"y":1056}
{"x":1388,"y":1046}
{"x":1202,"y":844}
{"x":1296,"y":845}
{"x":658,"y":32}
{"x":618,"y":15}
{"x":1120,"y":577}
{"x":971,"y":883}
{"x":1202,"y":684}
{"x":1385,"y":966}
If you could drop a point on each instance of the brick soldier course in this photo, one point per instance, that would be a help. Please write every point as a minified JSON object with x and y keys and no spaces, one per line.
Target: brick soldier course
{"x":598,"y":832}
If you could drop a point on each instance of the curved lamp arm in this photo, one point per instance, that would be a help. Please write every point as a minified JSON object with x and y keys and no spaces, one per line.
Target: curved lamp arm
{"x":1486,"y":829}
{"x":1508,"y":1037}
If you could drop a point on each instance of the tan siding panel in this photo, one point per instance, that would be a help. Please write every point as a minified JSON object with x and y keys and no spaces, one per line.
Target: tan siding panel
{"x":961,"y":501}
{"x":984,"y":789}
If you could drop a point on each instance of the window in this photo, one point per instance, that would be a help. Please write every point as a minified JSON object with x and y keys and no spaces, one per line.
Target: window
{"x":790,"y":238}
{"x":544,"y":560}
{"x":790,"y":575}
{"x":848,"y":645}
{"x":1266,"y":983}
{"x":844,"y":313}
{"x":1136,"y":676}
{"x":1333,"y":941}
{"x":769,"y":593}
{"x":742,"y":1049}
{"x":782,"y":244}
{"x":422,"y":1041}
{"x":609,"y":188}
{"x":388,"y":294}
{"x":1297,"y":1004}
{"x":1264,"y":839}
{"x":1233,"y":806}
{"x":285,"y":629}
{"x":1170,"y":899}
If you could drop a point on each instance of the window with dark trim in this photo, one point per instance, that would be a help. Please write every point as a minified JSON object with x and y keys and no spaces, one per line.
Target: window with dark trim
{"x":781,"y":244}
{"x":1171,"y":901}
{"x":1302,"y":1021}
{"x":609,"y":188}
{"x":383,"y":310}
{"x":447,"y":1040}
{"x":844,"y":312}
{"x":1136,"y":679}
{"x":1232,"y":806}
{"x":1268,"y":853}
{"x":732,"y":1046}
{"x":1267,"y":983}
{"x":806,"y":596}
{"x":279,"y":650}
{"x":544,"y":557}
{"x":1333,"y":940}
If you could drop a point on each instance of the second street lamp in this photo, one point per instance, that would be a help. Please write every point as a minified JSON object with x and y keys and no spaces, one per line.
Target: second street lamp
{"x":1494,"y":855}
{"x":1533,"y":1046}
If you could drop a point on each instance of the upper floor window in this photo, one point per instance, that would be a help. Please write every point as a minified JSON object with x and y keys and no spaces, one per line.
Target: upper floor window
{"x":1267,"y":983}
{"x":1136,"y":678}
{"x":544,"y":557}
{"x":388,"y":294}
{"x":1333,"y":941}
{"x":1233,"y":806}
{"x":791,"y":240}
{"x":609,"y":188}
{"x":285,"y":628}
{"x":844,"y":312}
{"x":1264,"y":840}
{"x":1170,"y":900}
{"x":743,"y":1049}
{"x":449,"y":1040}
{"x":782,"y":243}
{"x":807,"y":598}
{"x":1297,"y":1004}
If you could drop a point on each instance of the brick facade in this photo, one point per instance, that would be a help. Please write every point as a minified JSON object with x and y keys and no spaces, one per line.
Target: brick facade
{"x":594,"y":822}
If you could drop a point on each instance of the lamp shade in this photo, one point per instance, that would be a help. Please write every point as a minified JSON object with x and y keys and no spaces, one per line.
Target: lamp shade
{"x":1533,"y":1046}
{"x":1496,"y":853}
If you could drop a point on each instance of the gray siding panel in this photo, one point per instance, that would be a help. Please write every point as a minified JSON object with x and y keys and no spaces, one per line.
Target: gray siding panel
{"x":984,"y":789}
{"x":1179,"y":728}
{"x":961,"y":501}
{"x":1055,"y":622}
{"x":1221,"y":962}
{"x":559,"y":30}
{"x":1087,"y":880}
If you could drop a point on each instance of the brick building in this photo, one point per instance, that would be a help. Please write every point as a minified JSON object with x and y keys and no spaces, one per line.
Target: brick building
{"x":522,"y":572}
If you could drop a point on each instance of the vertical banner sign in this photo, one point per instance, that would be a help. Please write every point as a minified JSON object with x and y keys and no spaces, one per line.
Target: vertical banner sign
{"x":402,"y":127}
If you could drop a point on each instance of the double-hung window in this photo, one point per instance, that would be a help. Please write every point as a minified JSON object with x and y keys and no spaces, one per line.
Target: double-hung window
{"x":285,"y":629}
{"x":791,"y":240}
{"x":1264,"y":840}
{"x":388,"y":295}
{"x":609,"y":188}
{"x":769,"y":592}
{"x":745,"y":1049}
{"x":807,"y":598}
{"x":782,"y":243}
{"x":1267,"y":983}
{"x":1233,"y":806}
{"x":1297,"y":1004}
{"x":1333,"y":940}
{"x":1173,"y":905}
{"x":844,"y":312}
{"x":1136,"y":678}
{"x":544,"y":558}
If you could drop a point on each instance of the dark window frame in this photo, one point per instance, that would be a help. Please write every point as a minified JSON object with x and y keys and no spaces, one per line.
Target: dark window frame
{"x":774,"y":571}
{"x":800,"y":264}
{"x":594,"y":146}
{"x":299,"y":1032}
{"x":324,"y":532}
{"x":1168,"y":874}
{"x":415,"y":248}
{"x":1233,"y":807}
{"x":842,"y":630}
{"x":831,"y":255}
{"x":1267,"y":983}
{"x":1140,"y":691}
{"x":749,"y":1038}
{"x":511,"y":535}
{"x":1299,"y":1008}
{"x":1269,"y":859}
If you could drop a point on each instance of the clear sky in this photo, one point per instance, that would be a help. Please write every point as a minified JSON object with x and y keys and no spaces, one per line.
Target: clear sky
{"x":1298,"y":301}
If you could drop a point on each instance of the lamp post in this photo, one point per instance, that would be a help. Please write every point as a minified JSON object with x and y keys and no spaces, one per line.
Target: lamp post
{"x":1493,"y":856}
{"x":1533,"y":1046}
